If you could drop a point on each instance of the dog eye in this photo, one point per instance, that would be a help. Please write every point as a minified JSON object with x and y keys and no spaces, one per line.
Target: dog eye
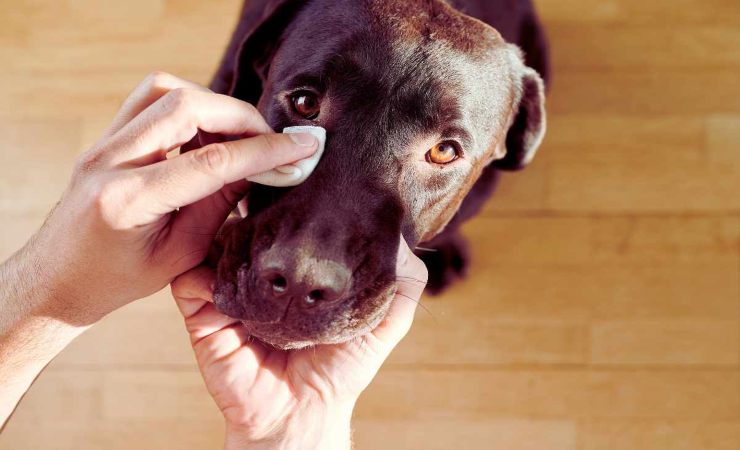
{"x":306,"y":104}
{"x":443,"y":153}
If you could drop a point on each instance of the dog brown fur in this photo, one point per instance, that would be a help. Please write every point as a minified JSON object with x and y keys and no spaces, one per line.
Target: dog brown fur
{"x":395,"y":77}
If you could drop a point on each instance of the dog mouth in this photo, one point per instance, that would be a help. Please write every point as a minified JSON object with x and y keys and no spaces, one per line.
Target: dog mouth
{"x":270,"y":296}
{"x":303,"y":326}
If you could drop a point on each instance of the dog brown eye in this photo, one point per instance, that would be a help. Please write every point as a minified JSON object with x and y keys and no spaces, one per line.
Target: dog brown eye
{"x":306,"y":104}
{"x":443,"y":153}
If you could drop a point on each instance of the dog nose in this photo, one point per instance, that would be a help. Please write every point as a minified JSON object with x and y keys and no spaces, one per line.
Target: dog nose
{"x":311,"y":283}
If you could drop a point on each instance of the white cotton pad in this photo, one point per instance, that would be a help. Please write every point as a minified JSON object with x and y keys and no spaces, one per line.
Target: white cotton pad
{"x":296,"y":173}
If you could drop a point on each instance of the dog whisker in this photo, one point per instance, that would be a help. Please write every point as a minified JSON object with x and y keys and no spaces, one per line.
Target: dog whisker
{"x":418,"y":302}
{"x":425,"y":249}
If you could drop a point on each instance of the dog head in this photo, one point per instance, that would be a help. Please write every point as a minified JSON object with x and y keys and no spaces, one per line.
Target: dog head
{"x":417,"y":100}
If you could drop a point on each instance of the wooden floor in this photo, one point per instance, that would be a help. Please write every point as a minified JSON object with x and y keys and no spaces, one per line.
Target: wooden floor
{"x":603,"y":310}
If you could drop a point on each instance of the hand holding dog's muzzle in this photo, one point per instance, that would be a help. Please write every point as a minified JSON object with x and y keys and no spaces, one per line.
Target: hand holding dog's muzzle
{"x":265,"y":392}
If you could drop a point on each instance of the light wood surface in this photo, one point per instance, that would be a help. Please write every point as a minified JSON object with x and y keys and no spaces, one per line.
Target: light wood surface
{"x":603,"y":307}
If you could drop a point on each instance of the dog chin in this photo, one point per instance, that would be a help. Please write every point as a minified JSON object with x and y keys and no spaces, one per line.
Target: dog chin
{"x":274,"y":335}
{"x":282,"y":336}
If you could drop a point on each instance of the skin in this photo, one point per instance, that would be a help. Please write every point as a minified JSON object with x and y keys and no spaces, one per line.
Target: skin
{"x":140,"y":220}
{"x":308,"y":395}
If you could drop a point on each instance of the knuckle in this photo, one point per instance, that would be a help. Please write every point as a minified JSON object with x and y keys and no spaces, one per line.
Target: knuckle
{"x":212,"y":158}
{"x":192,"y":259}
{"x":87,"y":162}
{"x":266,"y":145}
{"x":158,"y":80}
{"x":181,"y":104}
{"x":252,"y":110}
{"x":179,"y":99}
{"x":178,"y":287}
{"x":106,"y":202}
{"x":111,"y":202}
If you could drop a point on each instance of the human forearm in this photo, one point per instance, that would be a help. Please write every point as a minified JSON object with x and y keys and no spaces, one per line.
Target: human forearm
{"x":31,"y":335}
{"x":319,"y":427}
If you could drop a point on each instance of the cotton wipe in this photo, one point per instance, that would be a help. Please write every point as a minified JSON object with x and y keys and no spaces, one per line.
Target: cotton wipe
{"x":296,"y":173}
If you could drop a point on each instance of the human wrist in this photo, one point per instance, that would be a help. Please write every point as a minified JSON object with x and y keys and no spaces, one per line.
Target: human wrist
{"x":56,"y":269}
{"x":30,"y":336}
{"x":24,"y":287}
{"x":316,"y":426}
{"x":34,"y":300}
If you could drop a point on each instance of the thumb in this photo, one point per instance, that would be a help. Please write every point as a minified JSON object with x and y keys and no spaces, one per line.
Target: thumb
{"x":411,"y":279}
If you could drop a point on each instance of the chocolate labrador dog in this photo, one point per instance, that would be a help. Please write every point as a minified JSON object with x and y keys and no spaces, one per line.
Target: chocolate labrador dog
{"x":423,"y":100}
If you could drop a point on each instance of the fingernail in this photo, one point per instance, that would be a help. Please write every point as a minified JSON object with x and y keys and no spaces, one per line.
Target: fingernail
{"x":287,"y":169}
{"x":304,"y":139}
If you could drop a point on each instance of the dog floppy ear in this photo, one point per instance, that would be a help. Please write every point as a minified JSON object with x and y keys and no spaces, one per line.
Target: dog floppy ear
{"x":246,"y":63}
{"x":528,"y":128}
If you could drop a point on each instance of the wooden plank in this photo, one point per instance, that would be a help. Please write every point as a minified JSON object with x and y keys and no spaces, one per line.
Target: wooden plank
{"x":95,"y":434}
{"x":628,"y":164}
{"x":626,"y":140}
{"x":653,"y":46}
{"x":681,"y":13}
{"x":553,"y":394}
{"x":663,"y":164}
{"x":688,"y":341}
{"x":702,"y":188}
{"x":723,"y":135}
{"x":431,"y":434}
{"x":579,"y":293}
{"x":124,"y":339}
{"x":453,"y":339}
{"x":593,"y":240}
{"x":156,"y":394}
{"x":694,"y":92}
{"x":522,"y":192}
{"x":658,"y":435}
{"x":151,"y":396}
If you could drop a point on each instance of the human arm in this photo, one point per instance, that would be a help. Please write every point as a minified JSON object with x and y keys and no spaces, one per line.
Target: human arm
{"x":131,"y":219}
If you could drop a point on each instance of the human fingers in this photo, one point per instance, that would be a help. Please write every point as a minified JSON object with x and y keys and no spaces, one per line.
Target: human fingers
{"x":212,"y":334}
{"x":193,"y":289}
{"x":193,"y":293}
{"x":174,"y":119}
{"x":411,"y":280}
{"x":193,"y":176}
{"x":151,"y":89}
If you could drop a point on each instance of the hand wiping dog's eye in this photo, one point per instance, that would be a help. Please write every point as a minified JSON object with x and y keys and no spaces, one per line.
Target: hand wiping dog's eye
{"x":306,"y":104}
{"x":443,"y":153}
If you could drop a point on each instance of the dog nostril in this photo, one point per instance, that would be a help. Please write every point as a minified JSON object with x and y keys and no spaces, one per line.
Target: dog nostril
{"x":313,"y":298}
{"x":279,"y":284}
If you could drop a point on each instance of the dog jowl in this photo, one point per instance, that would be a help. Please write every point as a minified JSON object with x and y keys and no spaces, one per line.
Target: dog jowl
{"x":422,"y":105}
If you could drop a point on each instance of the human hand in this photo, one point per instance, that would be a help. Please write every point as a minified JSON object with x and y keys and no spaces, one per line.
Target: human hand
{"x":131,"y":220}
{"x":297,"y":398}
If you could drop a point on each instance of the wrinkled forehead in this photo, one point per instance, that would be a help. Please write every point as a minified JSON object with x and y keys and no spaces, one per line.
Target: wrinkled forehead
{"x":419,"y":60}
